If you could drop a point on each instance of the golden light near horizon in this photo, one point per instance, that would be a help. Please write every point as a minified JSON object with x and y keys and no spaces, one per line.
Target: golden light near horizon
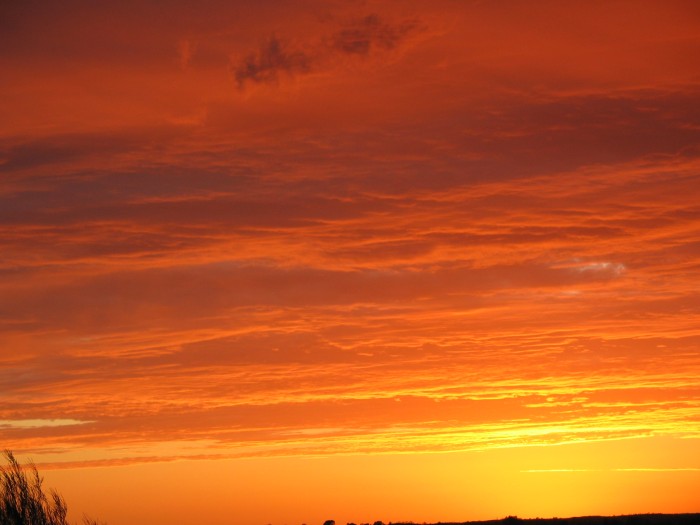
{"x":289,"y":261}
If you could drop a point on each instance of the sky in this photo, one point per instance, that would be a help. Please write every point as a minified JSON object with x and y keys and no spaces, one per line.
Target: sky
{"x":278,"y":262}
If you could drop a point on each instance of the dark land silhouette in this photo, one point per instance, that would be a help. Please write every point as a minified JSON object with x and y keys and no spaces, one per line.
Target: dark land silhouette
{"x":630,"y":519}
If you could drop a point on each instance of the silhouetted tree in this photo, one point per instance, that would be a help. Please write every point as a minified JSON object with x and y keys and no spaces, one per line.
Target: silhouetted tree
{"x":23,"y":500}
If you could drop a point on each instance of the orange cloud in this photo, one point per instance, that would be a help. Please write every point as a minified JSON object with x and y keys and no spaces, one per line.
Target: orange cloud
{"x":435,"y":229}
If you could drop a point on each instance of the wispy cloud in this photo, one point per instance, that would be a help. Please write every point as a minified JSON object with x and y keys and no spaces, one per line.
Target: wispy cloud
{"x":39,"y":423}
{"x":567,"y":470}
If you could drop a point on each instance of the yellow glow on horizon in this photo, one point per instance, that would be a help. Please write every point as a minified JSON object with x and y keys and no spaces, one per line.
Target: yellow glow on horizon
{"x":543,"y":481}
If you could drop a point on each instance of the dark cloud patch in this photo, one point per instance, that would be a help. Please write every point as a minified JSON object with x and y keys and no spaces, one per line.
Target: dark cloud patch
{"x":56,"y":150}
{"x":277,"y":57}
{"x":231,"y":212}
{"x":274,"y":58}
{"x":371,"y":32}
{"x":19,"y":153}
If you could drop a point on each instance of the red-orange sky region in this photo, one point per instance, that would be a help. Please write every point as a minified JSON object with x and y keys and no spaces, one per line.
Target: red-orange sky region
{"x":287,"y":261}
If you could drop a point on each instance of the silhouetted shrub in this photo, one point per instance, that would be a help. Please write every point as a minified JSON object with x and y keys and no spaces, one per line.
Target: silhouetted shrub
{"x":23,"y":500}
{"x":329,"y":522}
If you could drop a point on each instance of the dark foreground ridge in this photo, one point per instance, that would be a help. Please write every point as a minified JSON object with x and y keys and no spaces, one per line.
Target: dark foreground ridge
{"x":632,"y":519}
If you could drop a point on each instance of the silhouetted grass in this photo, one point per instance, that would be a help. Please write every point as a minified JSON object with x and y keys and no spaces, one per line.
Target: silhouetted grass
{"x":23,"y":500}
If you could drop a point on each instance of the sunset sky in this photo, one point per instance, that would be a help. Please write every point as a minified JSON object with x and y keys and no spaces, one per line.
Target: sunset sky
{"x":288,"y":261}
